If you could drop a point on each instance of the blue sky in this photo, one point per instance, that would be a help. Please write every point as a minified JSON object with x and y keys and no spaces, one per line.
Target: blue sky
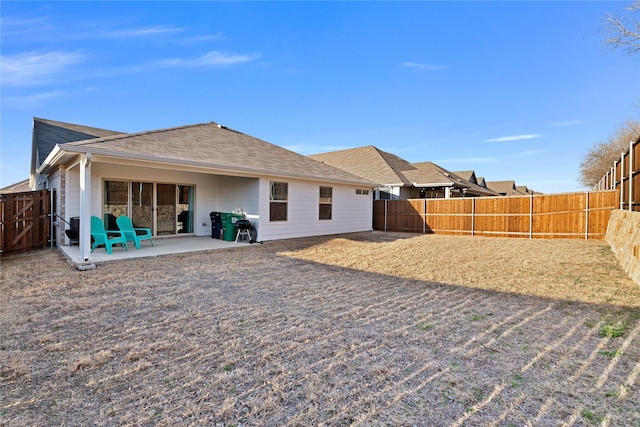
{"x":513,"y":90}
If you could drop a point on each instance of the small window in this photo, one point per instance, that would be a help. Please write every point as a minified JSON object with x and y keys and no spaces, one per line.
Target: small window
{"x":326,"y":201}
{"x":278,"y":201}
{"x":362,"y":191}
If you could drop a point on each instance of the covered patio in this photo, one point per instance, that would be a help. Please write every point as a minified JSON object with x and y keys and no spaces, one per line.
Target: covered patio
{"x":162,"y":246}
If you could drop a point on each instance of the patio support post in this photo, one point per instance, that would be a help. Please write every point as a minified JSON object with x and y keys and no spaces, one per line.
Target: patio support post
{"x":85,"y":207}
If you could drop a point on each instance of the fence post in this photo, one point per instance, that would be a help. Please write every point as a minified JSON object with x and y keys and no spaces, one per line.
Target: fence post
{"x":424,"y":216}
{"x":531,"y":216}
{"x":631,"y":175}
{"x":385,"y":214}
{"x":473,"y":216}
{"x":622,"y":181}
{"x":586,"y":220}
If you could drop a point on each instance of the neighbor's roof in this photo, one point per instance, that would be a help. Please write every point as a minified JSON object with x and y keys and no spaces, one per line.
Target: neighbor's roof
{"x":17,"y":187}
{"x":433,"y":171}
{"x":370,"y":163}
{"x":390,"y":170}
{"x":468,"y":175}
{"x":210,"y":146}
{"x":506,"y":188}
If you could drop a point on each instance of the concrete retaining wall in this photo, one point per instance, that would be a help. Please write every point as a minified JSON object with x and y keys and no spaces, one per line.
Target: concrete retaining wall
{"x":623,"y":235}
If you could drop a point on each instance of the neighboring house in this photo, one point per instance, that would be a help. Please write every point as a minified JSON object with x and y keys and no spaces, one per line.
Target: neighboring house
{"x":18,"y":187}
{"x":399,"y":179}
{"x":505,"y":188}
{"x":471,"y":177}
{"x":170,"y":180}
{"x":452,"y":183}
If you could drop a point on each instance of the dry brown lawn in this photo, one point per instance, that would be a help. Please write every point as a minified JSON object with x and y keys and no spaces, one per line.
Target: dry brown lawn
{"x":362,"y":329}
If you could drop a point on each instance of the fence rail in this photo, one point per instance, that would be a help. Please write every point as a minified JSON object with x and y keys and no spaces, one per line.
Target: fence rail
{"x":625,"y":176}
{"x":571,"y":215}
{"x":25,"y":221}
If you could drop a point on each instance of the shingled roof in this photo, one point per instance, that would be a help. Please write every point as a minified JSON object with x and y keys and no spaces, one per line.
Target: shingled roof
{"x":212,"y":146}
{"x":390,"y":170}
{"x":48,"y":133}
{"x":505,"y":188}
{"x":370,"y":163}
{"x":433,"y":172}
{"x":468,"y":175}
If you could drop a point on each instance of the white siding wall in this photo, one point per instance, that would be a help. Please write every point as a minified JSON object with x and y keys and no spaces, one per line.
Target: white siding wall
{"x":72,"y":192}
{"x":239,"y":195}
{"x":55,"y":183}
{"x":351,"y":212}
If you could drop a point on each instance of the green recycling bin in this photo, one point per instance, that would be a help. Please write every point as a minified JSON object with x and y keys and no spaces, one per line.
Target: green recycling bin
{"x":229,"y":229}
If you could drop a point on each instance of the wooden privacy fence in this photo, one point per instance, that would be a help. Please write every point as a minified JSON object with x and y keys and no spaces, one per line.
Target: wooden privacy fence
{"x":625,"y":176}
{"x":25,"y":221}
{"x":571,"y":215}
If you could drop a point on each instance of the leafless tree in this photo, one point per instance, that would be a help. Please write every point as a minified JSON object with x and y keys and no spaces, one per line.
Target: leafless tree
{"x":599,"y":159}
{"x":624,"y":30}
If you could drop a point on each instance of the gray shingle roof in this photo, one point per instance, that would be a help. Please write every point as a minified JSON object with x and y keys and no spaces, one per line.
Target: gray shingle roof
{"x":387,"y":169}
{"x":434,"y":172}
{"x":468,"y":175}
{"x":48,"y":133}
{"x":370,"y":163}
{"x":506,"y":188}
{"x":214,"y":146}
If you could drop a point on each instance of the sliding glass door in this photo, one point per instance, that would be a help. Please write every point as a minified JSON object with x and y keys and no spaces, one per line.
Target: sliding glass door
{"x":142,"y":204}
{"x":164,"y":208}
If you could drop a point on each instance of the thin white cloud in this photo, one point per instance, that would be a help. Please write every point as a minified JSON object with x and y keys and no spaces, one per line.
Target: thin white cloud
{"x":210,"y":59}
{"x":200,"y":39}
{"x":424,"y":67}
{"x":513,"y":138}
{"x":31,"y":101}
{"x":153,"y":30}
{"x":33,"y":68}
{"x":568,"y":123}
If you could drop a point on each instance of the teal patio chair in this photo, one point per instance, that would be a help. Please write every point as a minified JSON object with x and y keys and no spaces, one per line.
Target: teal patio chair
{"x":133,"y":234}
{"x":100,"y":236}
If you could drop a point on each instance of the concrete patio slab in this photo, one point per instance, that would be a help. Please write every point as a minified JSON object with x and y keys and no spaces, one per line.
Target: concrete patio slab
{"x":162,"y":246}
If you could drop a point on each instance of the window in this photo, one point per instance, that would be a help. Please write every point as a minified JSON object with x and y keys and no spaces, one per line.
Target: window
{"x":278,"y":201}
{"x":326,"y":200}
{"x":362,"y":191}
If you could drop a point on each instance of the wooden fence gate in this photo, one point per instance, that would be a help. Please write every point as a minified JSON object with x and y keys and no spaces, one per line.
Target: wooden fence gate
{"x":570,"y":215}
{"x":25,"y":222}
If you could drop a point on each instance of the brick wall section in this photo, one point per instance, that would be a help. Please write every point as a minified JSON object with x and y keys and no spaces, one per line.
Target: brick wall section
{"x":623,"y":235}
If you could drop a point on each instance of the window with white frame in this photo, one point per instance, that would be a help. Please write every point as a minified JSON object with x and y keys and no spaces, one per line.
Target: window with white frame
{"x":326,"y":202}
{"x":278,"y":201}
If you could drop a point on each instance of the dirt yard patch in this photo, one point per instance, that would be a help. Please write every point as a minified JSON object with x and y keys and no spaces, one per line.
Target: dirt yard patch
{"x":363,"y":329}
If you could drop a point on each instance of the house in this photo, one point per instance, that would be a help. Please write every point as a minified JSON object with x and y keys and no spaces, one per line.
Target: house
{"x":17,"y":187}
{"x":170,"y":180}
{"x":505,"y":188}
{"x":396,"y":178}
{"x":470,"y":176}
